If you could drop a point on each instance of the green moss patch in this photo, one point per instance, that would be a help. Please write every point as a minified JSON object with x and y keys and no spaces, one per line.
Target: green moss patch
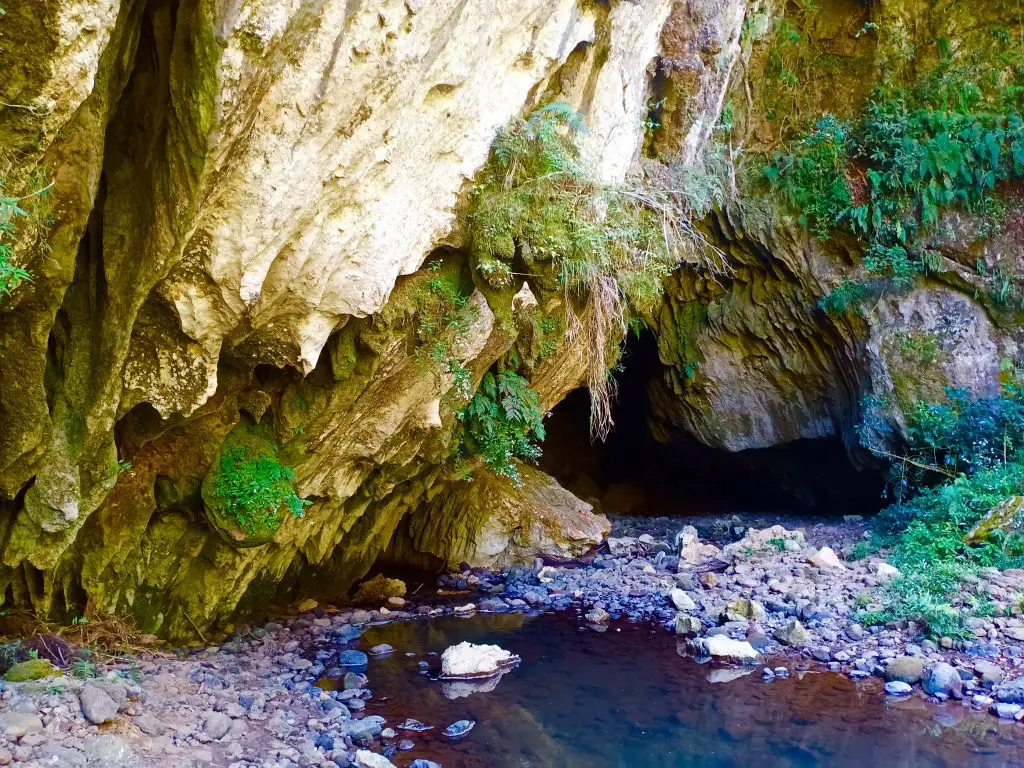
{"x":249,"y":490}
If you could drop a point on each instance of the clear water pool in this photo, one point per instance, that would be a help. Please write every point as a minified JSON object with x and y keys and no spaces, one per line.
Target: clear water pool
{"x":625,"y":698}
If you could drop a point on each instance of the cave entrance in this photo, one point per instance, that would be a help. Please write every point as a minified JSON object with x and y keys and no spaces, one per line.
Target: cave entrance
{"x":633,"y":473}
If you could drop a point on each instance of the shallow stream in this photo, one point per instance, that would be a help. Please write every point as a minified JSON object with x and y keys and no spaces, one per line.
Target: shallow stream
{"x":626,"y":698}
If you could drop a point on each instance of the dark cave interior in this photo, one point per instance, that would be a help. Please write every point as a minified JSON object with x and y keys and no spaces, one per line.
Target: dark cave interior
{"x":633,"y":473}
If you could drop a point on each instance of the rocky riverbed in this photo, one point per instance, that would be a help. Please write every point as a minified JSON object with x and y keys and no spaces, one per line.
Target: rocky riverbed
{"x":293,"y":692}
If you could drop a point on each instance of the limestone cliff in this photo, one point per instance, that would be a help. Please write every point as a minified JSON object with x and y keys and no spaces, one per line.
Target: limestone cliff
{"x":246,"y":196}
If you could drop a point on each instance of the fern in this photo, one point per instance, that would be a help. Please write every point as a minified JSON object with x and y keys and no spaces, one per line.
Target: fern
{"x":11,"y":276}
{"x":501,"y":423}
{"x":916,"y":152}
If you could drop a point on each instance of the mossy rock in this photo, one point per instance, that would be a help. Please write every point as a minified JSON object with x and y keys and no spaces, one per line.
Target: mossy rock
{"x":238,"y":522}
{"x":1006,"y":517}
{"x":379,"y":589}
{"x":33,"y":669}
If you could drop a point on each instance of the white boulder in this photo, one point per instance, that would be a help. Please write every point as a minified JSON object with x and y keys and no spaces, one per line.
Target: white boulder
{"x":726,"y":649}
{"x":884,"y":570}
{"x":467,"y":661}
{"x":682,"y":601}
{"x":367,"y":759}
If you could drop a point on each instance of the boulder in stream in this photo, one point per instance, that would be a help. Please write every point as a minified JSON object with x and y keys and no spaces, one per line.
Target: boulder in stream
{"x":724,"y":648}
{"x":468,"y":661}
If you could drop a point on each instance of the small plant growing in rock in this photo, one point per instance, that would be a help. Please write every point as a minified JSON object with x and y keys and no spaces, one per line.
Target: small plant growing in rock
{"x":443,"y":315}
{"x":254,"y":487}
{"x":11,"y":275}
{"x":501,"y":423}
{"x":84,"y":669}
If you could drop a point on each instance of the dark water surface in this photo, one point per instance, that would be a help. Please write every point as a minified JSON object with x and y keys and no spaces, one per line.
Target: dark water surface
{"x":625,"y":698}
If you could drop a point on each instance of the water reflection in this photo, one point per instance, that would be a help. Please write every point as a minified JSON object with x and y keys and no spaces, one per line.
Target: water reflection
{"x":460,"y":689}
{"x":626,"y":699}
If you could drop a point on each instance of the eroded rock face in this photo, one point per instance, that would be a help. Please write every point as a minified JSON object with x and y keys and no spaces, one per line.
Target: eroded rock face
{"x":239,"y":187}
{"x":242,"y":193}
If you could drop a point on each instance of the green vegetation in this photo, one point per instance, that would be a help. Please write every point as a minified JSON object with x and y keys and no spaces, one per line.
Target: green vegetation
{"x":861,"y":549}
{"x":501,"y":423}
{"x":253,"y":486}
{"x":547,"y":330}
{"x":539,"y":213}
{"x":11,"y":275}
{"x":443,"y":315}
{"x":84,"y":669}
{"x":972,"y":447}
{"x":886,"y":177}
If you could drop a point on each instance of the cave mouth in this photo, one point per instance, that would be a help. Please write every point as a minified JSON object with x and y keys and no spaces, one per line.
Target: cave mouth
{"x":633,"y":473}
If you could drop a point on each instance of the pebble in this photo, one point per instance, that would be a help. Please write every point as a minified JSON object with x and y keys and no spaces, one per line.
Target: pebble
{"x":216,"y":725}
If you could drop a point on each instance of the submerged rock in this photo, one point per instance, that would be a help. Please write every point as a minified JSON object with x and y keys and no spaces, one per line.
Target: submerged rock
{"x":414,"y":725}
{"x":468,"y":660}
{"x":459,"y":729}
{"x":598,"y":616}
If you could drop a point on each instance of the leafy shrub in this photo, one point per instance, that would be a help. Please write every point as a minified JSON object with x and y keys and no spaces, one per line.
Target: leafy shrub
{"x":972,"y":446}
{"x":254,"y":487}
{"x":966,"y":434}
{"x":502,"y":422}
{"x":846,"y":296}
{"x":84,"y":669}
{"x":915,"y":152}
{"x":539,"y":213}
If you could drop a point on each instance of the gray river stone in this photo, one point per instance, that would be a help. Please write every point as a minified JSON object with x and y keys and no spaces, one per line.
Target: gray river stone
{"x":97,"y":706}
{"x":941,"y":678}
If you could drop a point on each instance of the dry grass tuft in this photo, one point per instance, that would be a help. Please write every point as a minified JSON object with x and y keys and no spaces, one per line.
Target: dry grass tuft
{"x":108,"y":637}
